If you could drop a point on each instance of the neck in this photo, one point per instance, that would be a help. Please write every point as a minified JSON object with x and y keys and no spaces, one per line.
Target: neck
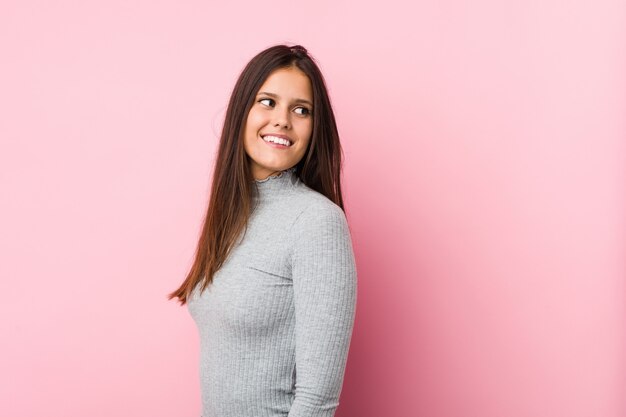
{"x":267,"y":176}
{"x":276,"y":185}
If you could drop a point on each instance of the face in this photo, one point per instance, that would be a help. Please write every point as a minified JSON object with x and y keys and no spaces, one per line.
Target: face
{"x":282,"y":110}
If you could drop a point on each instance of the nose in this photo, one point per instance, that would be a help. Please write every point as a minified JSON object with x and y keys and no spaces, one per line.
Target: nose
{"x":281,"y":118}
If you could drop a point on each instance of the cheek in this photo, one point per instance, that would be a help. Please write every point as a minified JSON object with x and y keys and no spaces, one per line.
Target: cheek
{"x":307,"y":130}
{"x":302,"y":126}
{"x":254,"y":121}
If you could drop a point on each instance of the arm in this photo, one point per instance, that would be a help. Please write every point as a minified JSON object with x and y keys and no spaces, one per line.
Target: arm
{"x":324,"y":285}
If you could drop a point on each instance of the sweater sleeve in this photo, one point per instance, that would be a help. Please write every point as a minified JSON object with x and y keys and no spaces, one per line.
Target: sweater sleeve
{"x":324,"y":285}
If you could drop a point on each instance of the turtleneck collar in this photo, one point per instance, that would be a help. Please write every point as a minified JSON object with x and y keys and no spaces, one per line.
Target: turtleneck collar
{"x":277,"y":185}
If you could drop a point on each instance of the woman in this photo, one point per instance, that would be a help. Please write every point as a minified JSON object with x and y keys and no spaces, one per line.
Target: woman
{"x":273,"y":286}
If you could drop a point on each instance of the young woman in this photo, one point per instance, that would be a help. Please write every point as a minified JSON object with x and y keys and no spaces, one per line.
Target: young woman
{"x":273,"y":286}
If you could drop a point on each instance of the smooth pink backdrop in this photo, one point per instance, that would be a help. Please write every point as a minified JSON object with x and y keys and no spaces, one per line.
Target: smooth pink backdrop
{"x":484,"y":183}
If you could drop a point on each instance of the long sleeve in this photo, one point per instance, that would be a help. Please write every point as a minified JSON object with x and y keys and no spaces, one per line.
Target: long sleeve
{"x":325,"y":286}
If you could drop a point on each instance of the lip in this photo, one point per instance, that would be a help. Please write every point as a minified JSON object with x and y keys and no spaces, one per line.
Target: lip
{"x":276,"y":145}
{"x":278,"y":135}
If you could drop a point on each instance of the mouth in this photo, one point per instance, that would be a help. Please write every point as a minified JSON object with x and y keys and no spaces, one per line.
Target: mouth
{"x":277,"y":141}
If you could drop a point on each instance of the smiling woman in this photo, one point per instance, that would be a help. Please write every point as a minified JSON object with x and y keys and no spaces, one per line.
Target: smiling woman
{"x":273,"y":285}
{"x":278,"y":120}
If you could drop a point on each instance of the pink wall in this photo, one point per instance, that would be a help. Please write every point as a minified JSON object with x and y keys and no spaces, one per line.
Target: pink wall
{"x":484,"y":181}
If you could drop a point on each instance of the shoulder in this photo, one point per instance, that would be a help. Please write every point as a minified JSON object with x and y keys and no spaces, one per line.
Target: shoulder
{"x":320,"y":237}
{"x":319,"y":226}
{"x":315,"y":210}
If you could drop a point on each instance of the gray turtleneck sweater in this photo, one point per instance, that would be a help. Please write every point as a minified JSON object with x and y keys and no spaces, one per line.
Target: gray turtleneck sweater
{"x":276,"y":322}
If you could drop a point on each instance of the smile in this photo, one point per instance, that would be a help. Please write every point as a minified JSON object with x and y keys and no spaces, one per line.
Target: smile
{"x":277,"y":140}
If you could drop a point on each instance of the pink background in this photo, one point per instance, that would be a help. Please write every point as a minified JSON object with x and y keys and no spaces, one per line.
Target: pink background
{"x":484,"y":184}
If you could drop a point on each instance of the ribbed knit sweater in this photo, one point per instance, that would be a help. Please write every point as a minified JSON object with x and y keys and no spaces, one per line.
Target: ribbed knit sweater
{"x":276,"y":322}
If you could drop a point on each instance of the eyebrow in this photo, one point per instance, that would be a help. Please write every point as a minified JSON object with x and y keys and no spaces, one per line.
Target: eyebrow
{"x":297,"y":100}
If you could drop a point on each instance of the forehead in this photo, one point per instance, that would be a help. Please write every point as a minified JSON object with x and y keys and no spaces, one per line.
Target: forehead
{"x":288,"y":83}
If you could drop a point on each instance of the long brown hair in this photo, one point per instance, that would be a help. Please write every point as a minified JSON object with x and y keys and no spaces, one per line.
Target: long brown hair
{"x":233,"y":185}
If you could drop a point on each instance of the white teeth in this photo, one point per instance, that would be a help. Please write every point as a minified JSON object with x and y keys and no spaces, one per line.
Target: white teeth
{"x":270,"y":138}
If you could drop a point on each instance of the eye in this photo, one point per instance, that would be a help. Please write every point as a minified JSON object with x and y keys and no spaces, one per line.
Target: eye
{"x":266,"y":99}
{"x":305,"y":111}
